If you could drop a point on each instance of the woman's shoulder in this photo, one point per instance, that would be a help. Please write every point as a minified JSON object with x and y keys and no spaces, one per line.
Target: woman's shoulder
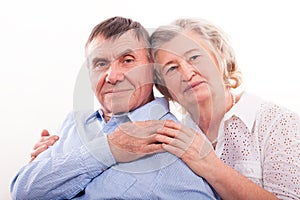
{"x":265,"y":111}
{"x":270,"y":113}
{"x":270,"y":108}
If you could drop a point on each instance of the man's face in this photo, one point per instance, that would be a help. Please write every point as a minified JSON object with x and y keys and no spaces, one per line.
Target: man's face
{"x":120,"y":73}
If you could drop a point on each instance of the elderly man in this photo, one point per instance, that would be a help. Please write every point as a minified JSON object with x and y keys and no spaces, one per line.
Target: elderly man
{"x":95,"y":158}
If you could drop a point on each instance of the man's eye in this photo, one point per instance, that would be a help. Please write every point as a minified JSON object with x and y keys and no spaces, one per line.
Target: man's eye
{"x":100,"y":64}
{"x":128,"y":59}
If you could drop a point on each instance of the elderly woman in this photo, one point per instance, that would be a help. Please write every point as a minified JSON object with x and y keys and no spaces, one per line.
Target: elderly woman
{"x":255,"y":148}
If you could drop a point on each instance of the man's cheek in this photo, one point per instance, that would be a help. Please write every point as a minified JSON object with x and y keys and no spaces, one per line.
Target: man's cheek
{"x":95,"y":81}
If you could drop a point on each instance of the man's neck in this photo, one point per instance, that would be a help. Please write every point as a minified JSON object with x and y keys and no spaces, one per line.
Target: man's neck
{"x":108,"y":115}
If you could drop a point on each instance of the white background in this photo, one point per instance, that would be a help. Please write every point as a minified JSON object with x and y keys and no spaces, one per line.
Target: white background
{"x":42,"y":50}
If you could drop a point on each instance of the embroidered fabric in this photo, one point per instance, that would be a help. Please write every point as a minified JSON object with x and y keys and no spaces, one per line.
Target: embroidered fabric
{"x":268,"y":152}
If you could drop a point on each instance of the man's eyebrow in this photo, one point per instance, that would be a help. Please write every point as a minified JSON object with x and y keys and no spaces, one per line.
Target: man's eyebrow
{"x":126,"y":51}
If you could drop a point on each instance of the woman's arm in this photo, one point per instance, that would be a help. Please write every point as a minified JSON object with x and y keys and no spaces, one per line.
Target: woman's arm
{"x":44,"y":142}
{"x":198,"y":154}
{"x":281,"y":150}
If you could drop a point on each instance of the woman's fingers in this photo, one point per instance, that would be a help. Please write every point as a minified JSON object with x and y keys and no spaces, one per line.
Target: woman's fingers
{"x":174,"y":150}
{"x":153,"y":148}
{"x":39,"y":150}
{"x":182,"y":128}
{"x":45,"y":133}
{"x":184,"y":135}
{"x":48,"y":140}
{"x":172,"y":124}
{"x":175,"y":142}
{"x":44,"y":142}
{"x":183,"y":141}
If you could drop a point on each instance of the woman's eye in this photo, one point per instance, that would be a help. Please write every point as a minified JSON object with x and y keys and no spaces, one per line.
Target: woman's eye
{"x":195,"y":58}
{"x":171,"y":68}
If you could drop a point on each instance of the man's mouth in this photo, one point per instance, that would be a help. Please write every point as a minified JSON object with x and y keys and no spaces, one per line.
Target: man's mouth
{"x":115,"y":91}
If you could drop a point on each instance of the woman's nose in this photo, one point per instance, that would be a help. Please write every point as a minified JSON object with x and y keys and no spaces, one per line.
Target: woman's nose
{"x":188,"y":71}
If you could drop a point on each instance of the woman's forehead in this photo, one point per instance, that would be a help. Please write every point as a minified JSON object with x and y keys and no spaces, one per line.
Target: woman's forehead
{"x":183,"y":43}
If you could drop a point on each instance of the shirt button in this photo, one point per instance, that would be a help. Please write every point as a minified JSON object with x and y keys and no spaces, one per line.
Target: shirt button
{"x":249,"y":170}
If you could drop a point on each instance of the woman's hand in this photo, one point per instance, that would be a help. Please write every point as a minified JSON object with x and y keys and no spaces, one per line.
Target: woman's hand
{"x":186,"y":144}
{"x":198,"y":154}
{"x":44,"y":142}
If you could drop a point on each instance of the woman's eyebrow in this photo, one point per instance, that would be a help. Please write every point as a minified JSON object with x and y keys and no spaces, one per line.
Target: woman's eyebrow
{"x":196,"y":50}
{"x":168,"y":63}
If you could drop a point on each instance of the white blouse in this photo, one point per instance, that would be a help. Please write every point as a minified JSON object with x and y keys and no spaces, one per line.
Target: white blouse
{"x":261,"y":141}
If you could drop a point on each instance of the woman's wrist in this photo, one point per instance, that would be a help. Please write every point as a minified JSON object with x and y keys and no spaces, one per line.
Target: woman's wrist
{"x":210,"y":167}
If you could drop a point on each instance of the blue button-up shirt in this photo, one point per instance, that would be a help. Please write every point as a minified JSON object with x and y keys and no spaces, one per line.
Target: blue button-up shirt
{"x":81,"y":166}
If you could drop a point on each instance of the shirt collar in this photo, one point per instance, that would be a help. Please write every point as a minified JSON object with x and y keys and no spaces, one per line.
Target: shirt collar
{"x":153,"y":110}
{"x":245,"y":109}
{"x":94,"y":115}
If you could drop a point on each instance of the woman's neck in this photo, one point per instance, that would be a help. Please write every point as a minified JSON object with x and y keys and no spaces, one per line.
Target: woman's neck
{"x":202,"y":115}
{"x":209,"y":114}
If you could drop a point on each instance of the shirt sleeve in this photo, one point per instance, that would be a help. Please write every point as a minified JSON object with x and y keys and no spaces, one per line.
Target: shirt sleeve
{"x":282,"y":157}
{"x":60,"y":174}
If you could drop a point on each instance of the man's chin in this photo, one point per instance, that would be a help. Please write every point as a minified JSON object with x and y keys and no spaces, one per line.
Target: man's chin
{"x":119,"y":109}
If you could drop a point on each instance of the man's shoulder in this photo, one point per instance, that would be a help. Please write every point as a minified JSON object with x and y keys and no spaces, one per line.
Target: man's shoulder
{"x":78,"y":114}
{"x":82,"y":114}
{"x":73,"y":124}
{"x":76,"y":117}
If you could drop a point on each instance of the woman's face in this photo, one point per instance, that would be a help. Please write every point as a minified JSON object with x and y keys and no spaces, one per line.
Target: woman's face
{"x":190,"y":70}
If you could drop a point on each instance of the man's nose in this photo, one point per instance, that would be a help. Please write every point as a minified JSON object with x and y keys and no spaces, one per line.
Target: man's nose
{"x":114,"y":73}
{"x":188,"y":71}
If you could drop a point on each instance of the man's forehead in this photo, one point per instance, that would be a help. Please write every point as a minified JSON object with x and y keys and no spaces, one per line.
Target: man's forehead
{"x":115,"y":46}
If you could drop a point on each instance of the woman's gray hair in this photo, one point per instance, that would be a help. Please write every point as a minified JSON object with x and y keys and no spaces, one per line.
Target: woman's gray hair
{"x":215,"y":39}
